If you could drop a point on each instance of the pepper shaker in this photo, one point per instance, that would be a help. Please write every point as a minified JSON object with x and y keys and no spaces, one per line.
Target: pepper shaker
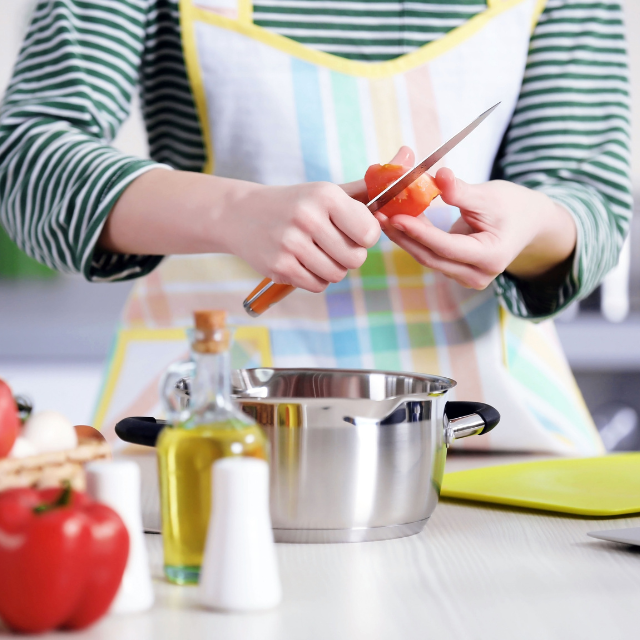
{"x":117,"y":484}
{"x":240,"y":570}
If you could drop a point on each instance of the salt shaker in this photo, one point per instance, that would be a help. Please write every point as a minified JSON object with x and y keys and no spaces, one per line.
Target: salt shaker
{"x":117,"y":484}
{"x":240,"y":570}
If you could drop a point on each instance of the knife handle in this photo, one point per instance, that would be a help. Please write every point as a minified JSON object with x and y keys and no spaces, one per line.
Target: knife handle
{"x":264,"y":296}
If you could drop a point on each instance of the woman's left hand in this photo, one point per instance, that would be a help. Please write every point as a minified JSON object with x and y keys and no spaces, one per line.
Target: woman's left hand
{"x":503,"y":227}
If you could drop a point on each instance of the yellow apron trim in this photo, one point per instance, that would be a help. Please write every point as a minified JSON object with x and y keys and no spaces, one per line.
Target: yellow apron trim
{"x":189,"y":12}
{"x":537,"y":12}
{"x":125,"y":337}
{"x":245,"y":11}
{"x":539,"y":8}
{"x":502,"y":319}
{"x":258,"y":336}
{"x":196,"y":82}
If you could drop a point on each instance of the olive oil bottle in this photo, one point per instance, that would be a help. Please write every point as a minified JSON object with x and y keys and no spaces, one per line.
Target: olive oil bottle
{"x":213,"y":428}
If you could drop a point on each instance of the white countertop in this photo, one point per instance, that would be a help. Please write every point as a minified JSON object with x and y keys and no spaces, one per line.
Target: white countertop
{"x":475,"y":572}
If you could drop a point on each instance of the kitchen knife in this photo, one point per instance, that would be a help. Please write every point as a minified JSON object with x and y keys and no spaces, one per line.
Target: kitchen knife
{"x":624,"y":536}
{"x":268,"y":293}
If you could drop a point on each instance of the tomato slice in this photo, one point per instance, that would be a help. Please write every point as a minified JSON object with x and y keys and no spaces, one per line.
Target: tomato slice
{"x":410,"y":202}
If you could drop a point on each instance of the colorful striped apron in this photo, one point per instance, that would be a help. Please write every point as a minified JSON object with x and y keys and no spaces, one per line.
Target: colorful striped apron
{"x":276,"y":112}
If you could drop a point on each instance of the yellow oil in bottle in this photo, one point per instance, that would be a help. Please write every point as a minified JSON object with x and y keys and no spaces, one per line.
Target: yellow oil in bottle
{"x":209,"y":428}
{"x":185,"y":457}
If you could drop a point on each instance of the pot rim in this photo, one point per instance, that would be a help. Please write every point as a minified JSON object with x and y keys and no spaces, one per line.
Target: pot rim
{"x":241,"y":390}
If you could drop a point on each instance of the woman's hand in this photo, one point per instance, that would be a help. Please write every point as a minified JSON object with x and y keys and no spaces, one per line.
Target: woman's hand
{"x":307,"y":235}
{"x":503,"y":227}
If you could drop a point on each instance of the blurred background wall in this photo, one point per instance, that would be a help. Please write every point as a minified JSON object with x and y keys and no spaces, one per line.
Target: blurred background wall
{"x":56,"y":331}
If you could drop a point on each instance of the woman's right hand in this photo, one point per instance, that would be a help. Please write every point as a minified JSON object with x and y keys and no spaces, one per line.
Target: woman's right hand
{"x":306,"y":235}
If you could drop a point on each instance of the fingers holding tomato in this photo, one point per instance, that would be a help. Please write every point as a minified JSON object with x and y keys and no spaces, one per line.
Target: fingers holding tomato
{"x":412,"y":201}
{"x":410,"y":234}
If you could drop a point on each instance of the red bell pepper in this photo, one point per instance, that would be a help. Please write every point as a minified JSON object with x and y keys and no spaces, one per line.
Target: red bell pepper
{"x":9,"y":419}
{"x":412,"y":201}
{"x":62,"y":557}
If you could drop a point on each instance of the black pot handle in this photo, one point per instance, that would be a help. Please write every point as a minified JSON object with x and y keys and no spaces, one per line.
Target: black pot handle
{"x":144,"y":431}
{"x":464,"y":419}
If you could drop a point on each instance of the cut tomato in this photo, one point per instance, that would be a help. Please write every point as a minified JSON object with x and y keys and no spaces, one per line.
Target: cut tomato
{"x":410,"y":202}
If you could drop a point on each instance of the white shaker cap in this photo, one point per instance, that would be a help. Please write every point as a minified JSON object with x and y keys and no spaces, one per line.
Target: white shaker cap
{"x":116,"y":483}
{"x":240,"y":569}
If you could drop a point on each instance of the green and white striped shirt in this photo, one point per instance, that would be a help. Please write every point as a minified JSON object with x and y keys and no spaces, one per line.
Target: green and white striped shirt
{"x":82,"y":60}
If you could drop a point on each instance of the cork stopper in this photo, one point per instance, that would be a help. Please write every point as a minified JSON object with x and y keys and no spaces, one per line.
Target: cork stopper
{"x":212,"y":334}
{"x":210,"y":320}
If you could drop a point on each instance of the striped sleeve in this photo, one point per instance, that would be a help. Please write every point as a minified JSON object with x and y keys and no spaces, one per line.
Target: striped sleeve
{"x":71,"y":90}
{"x":168,"y":107}
{"x":570,"y":138}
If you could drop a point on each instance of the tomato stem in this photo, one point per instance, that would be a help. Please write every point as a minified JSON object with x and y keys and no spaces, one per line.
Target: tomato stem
{"x":64,"y":499}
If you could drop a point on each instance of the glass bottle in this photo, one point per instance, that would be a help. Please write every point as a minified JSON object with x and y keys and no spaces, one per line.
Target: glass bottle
{"x":211,"y":428}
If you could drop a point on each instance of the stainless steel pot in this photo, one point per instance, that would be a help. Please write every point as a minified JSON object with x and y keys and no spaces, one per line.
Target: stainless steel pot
{"x":355,"y":455}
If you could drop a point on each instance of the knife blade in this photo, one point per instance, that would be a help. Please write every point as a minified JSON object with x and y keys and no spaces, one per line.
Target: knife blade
{"x":268,"y":293}
{"x":384,"y":197}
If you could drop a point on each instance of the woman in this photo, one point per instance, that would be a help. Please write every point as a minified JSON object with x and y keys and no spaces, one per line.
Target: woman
{"x":280,"y":99}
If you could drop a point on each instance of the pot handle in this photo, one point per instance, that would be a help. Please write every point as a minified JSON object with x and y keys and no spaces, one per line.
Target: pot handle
{"x":144,"y":431}
{"x":463,"y":419}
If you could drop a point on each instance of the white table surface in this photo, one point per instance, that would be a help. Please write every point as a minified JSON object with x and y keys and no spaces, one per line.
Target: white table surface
{"x":475,"y":572}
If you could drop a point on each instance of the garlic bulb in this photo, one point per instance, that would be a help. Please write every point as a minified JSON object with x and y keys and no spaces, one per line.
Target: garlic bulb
{"x":22,"y":448}
{"x":50,"y":431}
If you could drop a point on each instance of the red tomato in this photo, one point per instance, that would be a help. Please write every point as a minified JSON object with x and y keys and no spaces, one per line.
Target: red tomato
{"x":9,"y":420}
{"x":62,"y":557}
{"x":410,"y":202}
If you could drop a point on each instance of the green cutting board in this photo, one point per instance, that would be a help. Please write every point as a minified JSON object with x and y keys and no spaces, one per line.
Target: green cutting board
{"x":604,"y":486}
